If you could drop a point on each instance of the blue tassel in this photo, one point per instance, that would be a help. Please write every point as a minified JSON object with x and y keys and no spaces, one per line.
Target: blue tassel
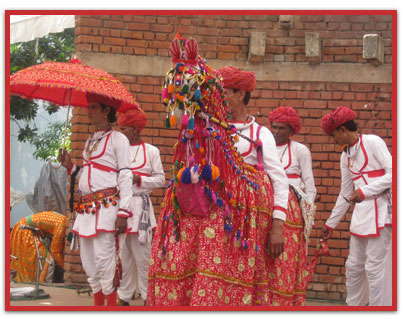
{"x":186,"y":176}
{"x":197,"y":146}
{"x":190,"y":125}
{"x":206,"y":173}
{"x":197,"y":94}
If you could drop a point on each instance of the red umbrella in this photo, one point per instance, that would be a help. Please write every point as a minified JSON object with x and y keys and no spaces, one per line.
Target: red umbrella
{"x":64,"y":83}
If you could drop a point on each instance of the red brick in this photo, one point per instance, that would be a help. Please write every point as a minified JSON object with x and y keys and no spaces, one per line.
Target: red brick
{"x":139,"y":26}
{"x":114,"y":41}
{"x":358,"y":87}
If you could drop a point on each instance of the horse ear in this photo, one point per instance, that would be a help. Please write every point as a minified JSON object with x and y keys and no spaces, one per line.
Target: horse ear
{"x":191,"y":50}
{"x":175,"y":51}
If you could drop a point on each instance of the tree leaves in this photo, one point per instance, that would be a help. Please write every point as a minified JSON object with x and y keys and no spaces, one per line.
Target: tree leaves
{"x":52,"y":47}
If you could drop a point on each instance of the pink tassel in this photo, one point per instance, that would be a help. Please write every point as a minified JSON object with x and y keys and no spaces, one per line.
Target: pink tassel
{"x":165,"y":93}
{"x":184,"y":120}
{"x":214,"y":198}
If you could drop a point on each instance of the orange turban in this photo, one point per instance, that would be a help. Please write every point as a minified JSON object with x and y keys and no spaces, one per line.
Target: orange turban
{"x":286,"y":115}
{"x":235,"y":78}
{"x":131,"y":116}
{"x":338,"y":117}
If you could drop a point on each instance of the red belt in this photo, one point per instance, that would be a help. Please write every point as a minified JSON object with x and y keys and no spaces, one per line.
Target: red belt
{"x":293,"y":176}
{"x":101,"y":167}
{"x":370,"y":174}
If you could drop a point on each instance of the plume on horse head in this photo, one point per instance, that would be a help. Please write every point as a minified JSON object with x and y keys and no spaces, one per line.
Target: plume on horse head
{"x":206,"y":162}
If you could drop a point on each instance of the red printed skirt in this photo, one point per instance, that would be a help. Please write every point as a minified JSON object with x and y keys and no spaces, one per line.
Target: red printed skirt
{"x":208,"y":266}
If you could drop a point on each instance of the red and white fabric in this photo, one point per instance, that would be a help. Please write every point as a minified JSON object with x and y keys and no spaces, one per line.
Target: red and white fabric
{"x":297,"y":163}
{"x":371,"y":174}
{"x":367,"y":167}
{"x":146,"y":162}
{"x":271,"y":162}
{"x":106,"y":168}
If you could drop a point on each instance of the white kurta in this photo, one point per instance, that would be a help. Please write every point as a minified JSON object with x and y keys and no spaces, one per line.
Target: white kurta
{"x":106,"y":167}
{"x":367,"y":167}
{"x":297,"y":163}
{"x":134,"y":252}
{"x":146,"y":162}
{"x":271,"y":162}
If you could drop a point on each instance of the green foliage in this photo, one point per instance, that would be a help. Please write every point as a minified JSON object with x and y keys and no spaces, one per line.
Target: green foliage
{"x":48,"y":143}
{"x":53,"y":47}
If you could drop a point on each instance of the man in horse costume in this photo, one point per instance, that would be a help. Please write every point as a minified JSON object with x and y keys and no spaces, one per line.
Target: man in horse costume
{"x":210,"y":246}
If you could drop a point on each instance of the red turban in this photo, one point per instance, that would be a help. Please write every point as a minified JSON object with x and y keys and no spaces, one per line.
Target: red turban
{"x":286,"y":115}
{"x":98,"y":98}
{"x":338,"y":117}
{"x":131,"y":116}
{"x":235,"y":78}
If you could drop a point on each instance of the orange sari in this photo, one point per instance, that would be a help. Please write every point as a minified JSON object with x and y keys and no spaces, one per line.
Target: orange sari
{"x":22,"y":245}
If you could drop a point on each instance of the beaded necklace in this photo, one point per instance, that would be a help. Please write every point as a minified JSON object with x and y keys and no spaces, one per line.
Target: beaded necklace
{"x":91,"y":147}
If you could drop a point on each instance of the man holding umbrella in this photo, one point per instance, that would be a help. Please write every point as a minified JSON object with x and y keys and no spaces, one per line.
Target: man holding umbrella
{"x":102,"y":211}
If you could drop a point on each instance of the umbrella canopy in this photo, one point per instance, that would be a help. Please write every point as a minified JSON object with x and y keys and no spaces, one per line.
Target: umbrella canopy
{"x":68,"y":83}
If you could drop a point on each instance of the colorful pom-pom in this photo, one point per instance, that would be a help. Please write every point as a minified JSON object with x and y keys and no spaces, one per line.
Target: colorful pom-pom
{"x":206,"y":173}
{"x":180,"y":172}
{"x":215,"y":172}
{"x":186,"y":176}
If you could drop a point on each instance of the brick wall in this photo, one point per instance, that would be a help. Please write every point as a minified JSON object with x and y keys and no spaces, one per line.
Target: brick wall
{"x":225,"y":38}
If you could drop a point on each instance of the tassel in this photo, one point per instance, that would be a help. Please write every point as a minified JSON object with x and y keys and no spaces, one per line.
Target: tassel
{"x":170,"y":88}
{"x":197,"y":94}
{"x":172,"y":121}
{"x":185,"y":89}
{"x":214,"y":197}
{"x":165,"y":93}
{"x":206,"y":173}
{"x":186,"y":176}
{"x":197,"y":146}
{"x":184,"y":120}
{"x":190,"y":125}
{"x":167,"y":122}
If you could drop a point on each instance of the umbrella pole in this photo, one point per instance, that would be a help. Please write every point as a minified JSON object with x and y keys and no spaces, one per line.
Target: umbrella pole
{"x":64,"y":138}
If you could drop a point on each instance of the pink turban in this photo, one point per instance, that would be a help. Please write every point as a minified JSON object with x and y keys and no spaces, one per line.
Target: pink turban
{"x":235,"y":78}
{"x":131,"y":116}
{"x":338,"y":117}
{"x":286,"y":115}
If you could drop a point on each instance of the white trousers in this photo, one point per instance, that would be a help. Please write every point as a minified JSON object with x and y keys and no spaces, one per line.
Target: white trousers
{"x":135,"y":266}
{"x":367,"y":270}
{"x":98,"y":260}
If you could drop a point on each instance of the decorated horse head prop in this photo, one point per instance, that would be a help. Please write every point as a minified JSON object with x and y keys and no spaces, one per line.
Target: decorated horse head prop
{"x":206,"y":160}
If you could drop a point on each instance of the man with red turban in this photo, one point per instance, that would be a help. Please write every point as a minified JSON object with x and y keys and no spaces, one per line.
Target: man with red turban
{"x":148,"y":174}
{"x":366,"y":169}
{"x":238,"y":85}
{"x":295,"y":157}
{"x":105,"y":182}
